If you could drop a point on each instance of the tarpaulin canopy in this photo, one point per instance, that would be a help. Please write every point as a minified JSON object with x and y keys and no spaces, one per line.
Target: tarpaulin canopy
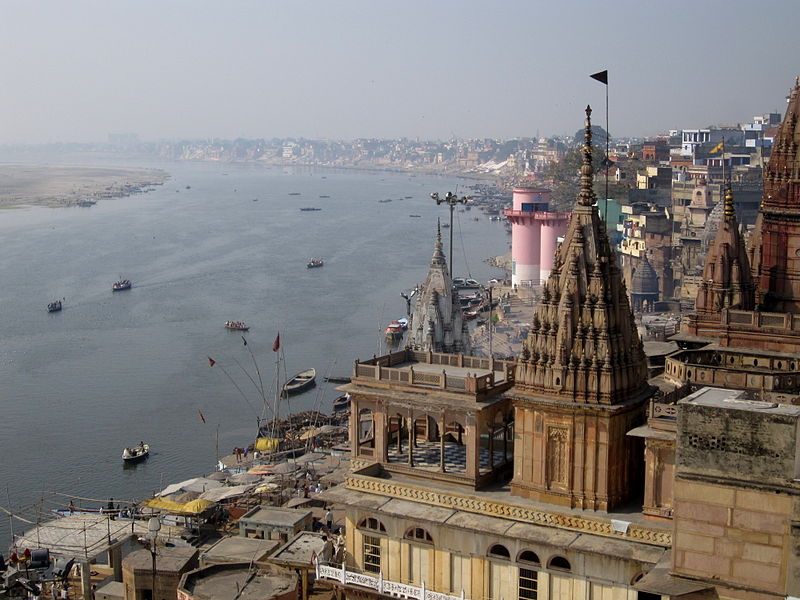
{"x":224,"y":493}
{"x":197,"y":484}
{"x":195,"y":507}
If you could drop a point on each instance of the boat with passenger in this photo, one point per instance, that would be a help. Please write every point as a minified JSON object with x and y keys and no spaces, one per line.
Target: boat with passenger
{"x":136,"y":453}
{"x":300,"y":382}
{"x":314,"y":263}
{"x":236,"y":326}
{"x":122,"y":284}
{"x":54,"y":306}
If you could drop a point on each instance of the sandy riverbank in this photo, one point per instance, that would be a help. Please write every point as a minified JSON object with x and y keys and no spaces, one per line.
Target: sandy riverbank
{"x":71,"y":185}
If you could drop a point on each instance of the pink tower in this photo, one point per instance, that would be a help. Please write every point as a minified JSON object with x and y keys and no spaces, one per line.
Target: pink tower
{"x":534,"y":235}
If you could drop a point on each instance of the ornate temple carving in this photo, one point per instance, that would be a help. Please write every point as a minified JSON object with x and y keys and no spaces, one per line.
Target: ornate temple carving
{"x":581,"y":380}
{"x":727,"y":282}
{"x":583,"y":343}
{"x":437,"y":323}
{"x":775,"y":246}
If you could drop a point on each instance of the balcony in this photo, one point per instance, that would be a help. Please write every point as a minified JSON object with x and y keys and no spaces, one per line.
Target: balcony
{"x":474,"y":375}
{"x":380,"y":585}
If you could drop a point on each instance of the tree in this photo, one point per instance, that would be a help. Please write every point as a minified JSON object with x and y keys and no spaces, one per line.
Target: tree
{"x":565,"y":175}
{"x":599,"y":136}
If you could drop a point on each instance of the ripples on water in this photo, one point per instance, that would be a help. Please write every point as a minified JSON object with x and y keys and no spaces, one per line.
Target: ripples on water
{"x":115,"y":368}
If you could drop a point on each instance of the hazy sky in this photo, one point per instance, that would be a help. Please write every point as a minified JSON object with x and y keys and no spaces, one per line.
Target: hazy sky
{"x":77,"y":70}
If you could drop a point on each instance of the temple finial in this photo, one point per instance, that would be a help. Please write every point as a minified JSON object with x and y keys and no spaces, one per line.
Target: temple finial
{"x":586,"y":196}
{"x":730,"y":211}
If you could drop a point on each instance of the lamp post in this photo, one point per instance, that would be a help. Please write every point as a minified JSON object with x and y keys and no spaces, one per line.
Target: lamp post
{"x":153,"y":527}
{"x":451,"y":199}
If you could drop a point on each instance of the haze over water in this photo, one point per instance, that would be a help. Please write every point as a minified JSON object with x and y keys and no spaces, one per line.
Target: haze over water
{"x":76,"y":387}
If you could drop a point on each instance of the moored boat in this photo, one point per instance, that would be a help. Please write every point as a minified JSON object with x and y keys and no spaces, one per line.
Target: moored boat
{"x":310,"y":209}
{"x":337,"y":379}
{"x":122,"y":284}
{"x":300,"y":382}
{"x":314,"y":263}
{"x":54,"y":306}
{"x":136,"y":453}
{"x":236,"y":326}
{"x":394,"y":330}
{"x":342,"y":403}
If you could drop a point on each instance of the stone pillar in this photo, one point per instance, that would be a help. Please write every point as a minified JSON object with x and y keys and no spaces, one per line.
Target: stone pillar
{"x":380,"y":428}
{"x":411,"y":434}
{"x":491,"y":448}
{"x":86,"y":579}
{"x":473,"y":447}
{"x":442,"y":429}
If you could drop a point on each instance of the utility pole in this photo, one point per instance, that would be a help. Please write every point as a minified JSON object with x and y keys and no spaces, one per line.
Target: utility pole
{"x":451,"y":199}
{"x":491,"y":321}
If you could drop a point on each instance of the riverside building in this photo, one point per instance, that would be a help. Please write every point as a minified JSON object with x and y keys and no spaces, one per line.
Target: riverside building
{"x":564,"y":473}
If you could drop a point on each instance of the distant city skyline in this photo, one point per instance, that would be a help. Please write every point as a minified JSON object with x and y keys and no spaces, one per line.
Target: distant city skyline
{"x":76,"y":72}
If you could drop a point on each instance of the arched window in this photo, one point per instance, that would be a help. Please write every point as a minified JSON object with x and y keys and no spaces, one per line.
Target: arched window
{"x":418,"y":534}
{"x":529,"y":556}
{"x":559,"y":563}
{"x":499,"y":551}
{"x":372,"y":524}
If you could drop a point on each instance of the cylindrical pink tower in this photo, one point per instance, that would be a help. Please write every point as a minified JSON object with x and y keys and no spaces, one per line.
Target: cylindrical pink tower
{"x":552,"y":229}
{"x":534,"y":233}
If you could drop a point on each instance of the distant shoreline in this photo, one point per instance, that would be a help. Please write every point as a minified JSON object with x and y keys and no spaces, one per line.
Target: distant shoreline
{"x":54,"y":186}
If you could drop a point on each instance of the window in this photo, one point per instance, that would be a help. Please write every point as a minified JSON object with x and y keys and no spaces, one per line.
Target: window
{"x":499,"y":551}
{"x":529,"y":556}
{"x":419,"y":534}
{"x":559,"y":563}
{"x":372,"y":554}
{"x":527,"y":584}
{"x":372,"y":524}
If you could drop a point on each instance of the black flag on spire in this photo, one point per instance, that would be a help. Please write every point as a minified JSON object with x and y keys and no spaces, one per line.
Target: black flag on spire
{"x":601,"y":76}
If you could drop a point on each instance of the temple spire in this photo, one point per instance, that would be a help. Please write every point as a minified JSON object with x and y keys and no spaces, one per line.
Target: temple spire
{"x":586,"y":196}
{"x":584,"y":346}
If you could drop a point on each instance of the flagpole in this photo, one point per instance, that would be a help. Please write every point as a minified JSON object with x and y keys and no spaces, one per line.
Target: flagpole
{"x":602,"y":77}
{"x":608,"y":137}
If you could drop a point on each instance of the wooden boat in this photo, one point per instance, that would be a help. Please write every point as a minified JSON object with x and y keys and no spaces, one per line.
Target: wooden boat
{"x":394,"y":331}
{"x":335,"y":379}
{"x":236,"y":326}
{"x":300,"y":382}
{"x":342,"y":403}
{"x":54,"y":306}
{"x":314,"y":263}
{"x":136,"y":453}
{"x":122,"y":284}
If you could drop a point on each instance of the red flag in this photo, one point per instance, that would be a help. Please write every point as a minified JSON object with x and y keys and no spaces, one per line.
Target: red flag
{"x":211,"y":362}
{"x":277,"y":343}
{"x":202,"y":418}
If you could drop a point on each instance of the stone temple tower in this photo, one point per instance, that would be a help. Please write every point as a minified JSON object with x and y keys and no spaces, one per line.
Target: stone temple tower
{"x":581,"y":382}
{"x":437,"y":323}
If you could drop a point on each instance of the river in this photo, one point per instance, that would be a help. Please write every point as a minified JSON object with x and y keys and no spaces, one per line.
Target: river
{"x":216,"y":242}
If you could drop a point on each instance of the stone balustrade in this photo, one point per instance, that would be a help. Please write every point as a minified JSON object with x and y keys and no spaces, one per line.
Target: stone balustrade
{"x":383,"y":586}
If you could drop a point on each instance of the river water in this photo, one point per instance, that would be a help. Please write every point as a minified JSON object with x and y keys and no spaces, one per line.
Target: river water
{"x":111,"y":369}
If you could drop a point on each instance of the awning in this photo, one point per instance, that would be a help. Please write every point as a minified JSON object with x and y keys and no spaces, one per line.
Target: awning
{"x":224,"y":493}
{"x":197,"y":484}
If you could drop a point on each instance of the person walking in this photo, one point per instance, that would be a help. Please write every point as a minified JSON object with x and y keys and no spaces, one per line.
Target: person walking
{"x":329,"y":520}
